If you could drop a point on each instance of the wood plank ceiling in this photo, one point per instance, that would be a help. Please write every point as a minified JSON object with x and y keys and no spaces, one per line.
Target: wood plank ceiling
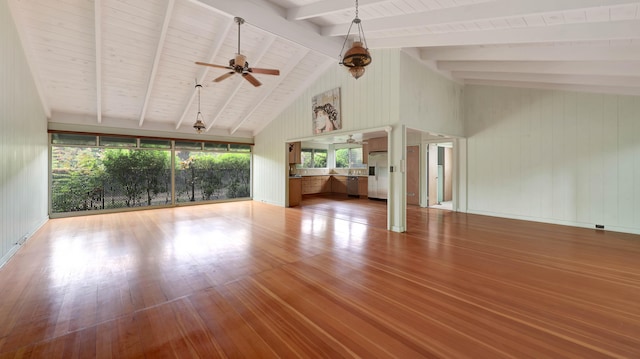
{"x":130,"y":64}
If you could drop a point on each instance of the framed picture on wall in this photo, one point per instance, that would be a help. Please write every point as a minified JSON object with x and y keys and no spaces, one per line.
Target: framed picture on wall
{"x":325,"y":109}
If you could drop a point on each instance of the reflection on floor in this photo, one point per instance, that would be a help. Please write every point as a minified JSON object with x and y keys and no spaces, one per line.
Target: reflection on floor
{"x":321,"y":280}
{"x":448,"y":205}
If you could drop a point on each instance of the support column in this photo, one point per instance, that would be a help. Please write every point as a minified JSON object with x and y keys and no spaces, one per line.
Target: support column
{"x":397,"y":199}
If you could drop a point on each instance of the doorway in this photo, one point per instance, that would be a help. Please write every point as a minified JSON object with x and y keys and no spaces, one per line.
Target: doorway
{"x":440,"y":175}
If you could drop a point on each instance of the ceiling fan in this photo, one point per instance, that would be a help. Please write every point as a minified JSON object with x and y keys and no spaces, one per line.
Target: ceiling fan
{"x":352,"y":141}
{"x":239,"y":65}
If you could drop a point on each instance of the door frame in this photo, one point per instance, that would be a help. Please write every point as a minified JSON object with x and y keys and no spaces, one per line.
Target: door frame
{"x":454,"y":171}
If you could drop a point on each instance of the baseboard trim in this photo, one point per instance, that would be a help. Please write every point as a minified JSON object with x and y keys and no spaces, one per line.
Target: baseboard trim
{"x":20,"y":242}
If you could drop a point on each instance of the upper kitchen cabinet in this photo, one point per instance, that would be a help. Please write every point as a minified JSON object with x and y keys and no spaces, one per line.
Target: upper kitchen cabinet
{"x":377,"y":144}
{"x":295,"y":149}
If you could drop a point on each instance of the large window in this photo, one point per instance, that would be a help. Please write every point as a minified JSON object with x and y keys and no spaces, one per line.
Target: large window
{"x":349,"y":158}
{"x":314,"y":158}
{"x":110,"y":172}
{"x":206,"y":176}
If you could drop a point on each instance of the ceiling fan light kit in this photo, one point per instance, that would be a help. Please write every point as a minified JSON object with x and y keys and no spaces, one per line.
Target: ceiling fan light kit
{"x":239,"y":65}
{"x":358,"y":56}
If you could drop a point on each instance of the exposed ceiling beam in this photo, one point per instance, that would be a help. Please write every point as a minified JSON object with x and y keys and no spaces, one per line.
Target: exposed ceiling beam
{"x":632,"y":91}
{"x":232,"y":96}
{"x":204,"y":70}
{"x":268,"y":90}
{"x":533,"y":53}
{"x":591,"y":80}
{"x":613,"y":68}
{"x":311,"y":78}
{"x":557,"y":33}
{"x":97,"y":11}
{"x":261,"y":14}
{"x":326,"y":7}
{"x":154,"y":68}
{"x":471,"y":13}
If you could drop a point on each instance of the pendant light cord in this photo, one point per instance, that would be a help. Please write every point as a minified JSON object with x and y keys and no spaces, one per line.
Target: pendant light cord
{"x":198,"y":86}
{"x":361,"y":37}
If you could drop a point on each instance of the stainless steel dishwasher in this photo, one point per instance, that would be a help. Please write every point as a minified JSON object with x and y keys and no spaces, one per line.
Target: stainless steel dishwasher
{"x":352,"y":186}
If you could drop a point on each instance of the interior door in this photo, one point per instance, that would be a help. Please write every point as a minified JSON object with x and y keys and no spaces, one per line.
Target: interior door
{"x":413,"y":175}
{"x":432,"y":181}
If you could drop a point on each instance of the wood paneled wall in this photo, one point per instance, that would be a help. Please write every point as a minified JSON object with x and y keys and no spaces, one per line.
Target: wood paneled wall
{"x":23,"y":144}
{"x":429,"y":101}
{"x":369,"y":102}
{"x":396,"y":89}
{"x":554,"y":156}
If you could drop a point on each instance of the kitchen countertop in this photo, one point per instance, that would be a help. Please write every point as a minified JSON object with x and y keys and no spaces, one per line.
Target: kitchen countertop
{"x":331,"y":174}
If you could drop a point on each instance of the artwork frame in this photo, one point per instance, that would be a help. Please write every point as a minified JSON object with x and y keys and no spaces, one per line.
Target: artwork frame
{"x":326,"y":112}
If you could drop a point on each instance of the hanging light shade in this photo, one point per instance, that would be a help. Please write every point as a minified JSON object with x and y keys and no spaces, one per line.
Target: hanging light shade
{"x":357,"y":57}
{"x":199,"y":125}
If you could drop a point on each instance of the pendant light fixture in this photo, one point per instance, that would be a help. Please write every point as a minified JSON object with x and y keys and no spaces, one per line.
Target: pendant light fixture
{"x":357,"y":57}
{"x":199,"y":125}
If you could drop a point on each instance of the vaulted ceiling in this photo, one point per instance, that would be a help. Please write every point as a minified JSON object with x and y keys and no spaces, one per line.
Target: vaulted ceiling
{"x":130,"y":63}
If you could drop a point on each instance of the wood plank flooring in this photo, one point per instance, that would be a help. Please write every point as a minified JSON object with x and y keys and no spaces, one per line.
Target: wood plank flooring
{"x":323,"y":280}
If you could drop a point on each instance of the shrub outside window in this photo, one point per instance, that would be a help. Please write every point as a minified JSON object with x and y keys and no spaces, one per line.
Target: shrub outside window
{"x":314,"y":158}
{"x":349,"y":158}
{"x":94,"y":172}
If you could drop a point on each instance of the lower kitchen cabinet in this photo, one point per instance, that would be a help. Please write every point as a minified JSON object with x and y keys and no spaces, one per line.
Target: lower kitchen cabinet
{"x":363,"y":186}
{"x":339,"y":184}
{"x":316,"y":184}
{"x":295,"y":191}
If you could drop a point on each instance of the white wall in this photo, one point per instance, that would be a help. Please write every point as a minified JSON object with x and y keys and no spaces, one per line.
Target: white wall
{"x":23,"y":144}
{"x":429,"y":101}
{"x":397,"y":90}
{"x":553,"y":156}
{"x":369,"y":102}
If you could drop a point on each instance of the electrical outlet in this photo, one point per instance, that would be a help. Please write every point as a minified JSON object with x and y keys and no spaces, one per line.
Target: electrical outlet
{"x":599,"y":226}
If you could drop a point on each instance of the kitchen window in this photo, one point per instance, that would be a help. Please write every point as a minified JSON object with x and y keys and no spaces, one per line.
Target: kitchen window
{"x":349,"y":158}
{"x":314,"y":158}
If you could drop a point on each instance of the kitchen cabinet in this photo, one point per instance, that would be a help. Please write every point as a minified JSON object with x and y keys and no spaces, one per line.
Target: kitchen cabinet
{"x":295,"y":191}
{"x":365,"y":152}
{"x":316,"y":184}
{"x":363,"y":186}
{"x":339,"y":184}
{"x":295,"y":149}
{"x":377,"y":144}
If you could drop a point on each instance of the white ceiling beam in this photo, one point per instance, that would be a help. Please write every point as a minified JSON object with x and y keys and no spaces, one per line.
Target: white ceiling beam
{"x":326,"y":7}
{"x":471,"y":13}
{"x":632,"y":91}
{"x":261,"y":14}
{"x":268,"y":90}
{"x":232,"y":96}
{"x":311,"y":78}
{"x":204,"y":70}
{"x":97,"y":11}
{"x":557,"y":33}
{"x":612,"y":68}
{"x":533,"y":53}
{"x":590,"y":80}
{"x":154,"y":68}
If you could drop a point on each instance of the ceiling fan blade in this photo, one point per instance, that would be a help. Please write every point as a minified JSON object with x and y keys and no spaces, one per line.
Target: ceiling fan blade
{"x":254,"y":81}
{"x":220,"y":78}
{"x":256,"y":70}
{"x":213,"y":65}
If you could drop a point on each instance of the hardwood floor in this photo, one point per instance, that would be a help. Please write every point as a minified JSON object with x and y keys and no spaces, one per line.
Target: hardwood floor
{"x":325,"y":279}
